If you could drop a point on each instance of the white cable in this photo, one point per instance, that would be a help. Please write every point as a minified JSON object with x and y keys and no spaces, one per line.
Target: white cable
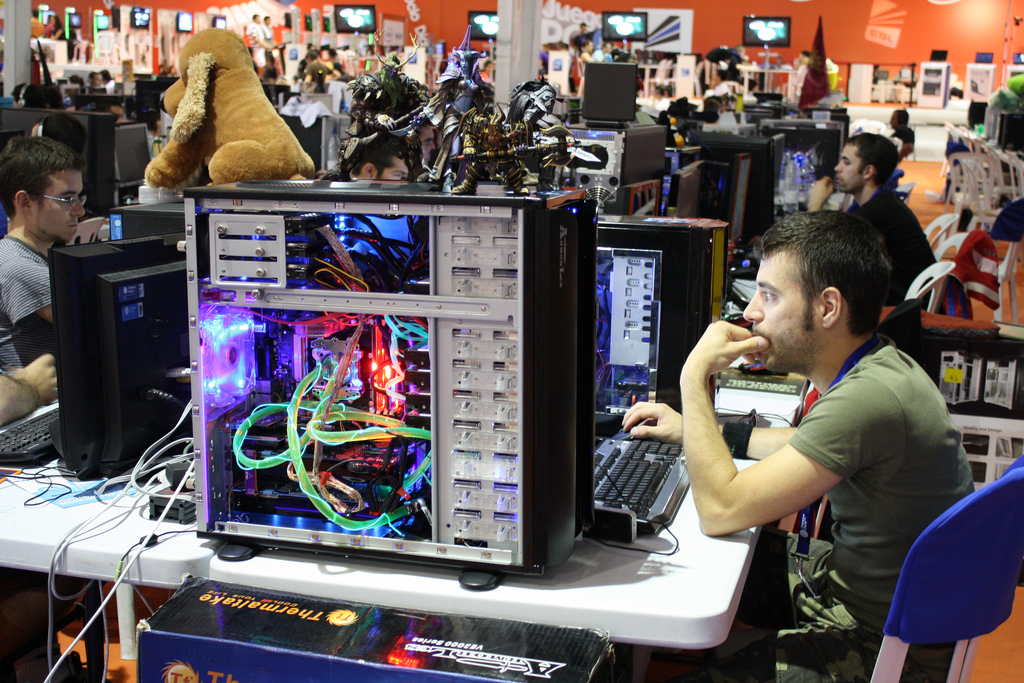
{"x":123,"y":573}
{"x":143,"y":462}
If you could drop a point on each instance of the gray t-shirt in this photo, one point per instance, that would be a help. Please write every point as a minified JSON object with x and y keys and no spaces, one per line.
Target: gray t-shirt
{"x":886,"y":430}
{"x":24,"y":289}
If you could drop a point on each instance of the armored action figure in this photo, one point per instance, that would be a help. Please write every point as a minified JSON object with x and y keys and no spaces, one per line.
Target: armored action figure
{"x":387,"y":103}
{"x":460,"y":89}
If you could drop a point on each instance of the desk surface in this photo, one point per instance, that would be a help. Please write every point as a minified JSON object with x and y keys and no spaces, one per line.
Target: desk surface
{"x":28,"y":536}
{"x":685,"y":600}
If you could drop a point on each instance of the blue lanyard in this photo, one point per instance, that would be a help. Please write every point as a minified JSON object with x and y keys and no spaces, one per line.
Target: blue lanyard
{"x":803,"y":543}
{"x":854,"y":205}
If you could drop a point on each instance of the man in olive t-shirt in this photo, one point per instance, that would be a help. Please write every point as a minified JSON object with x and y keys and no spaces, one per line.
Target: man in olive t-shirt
{"x":879,"y":442}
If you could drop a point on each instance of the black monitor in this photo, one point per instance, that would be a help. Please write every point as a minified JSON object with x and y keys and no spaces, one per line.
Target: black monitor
{"x":309,"y":22}
{"x":483,"y":25}
{"x":644,"y":332}
{"x":6,"y":135}
{"x":140,"y":17}
{"x":149,"y":91}
{"x":74,"y":20}
{"x":99,"y":177}
{"x":111,"y":299}
{"x":183,"y":22}
{"x":821,"y":146}
{"x":616,"y":26}
{"x":131,"y":153}
{"x":939,"y":55}
{"x":326,"y":21}
{"x":222,"y":21}
{"x":609,"y":94}
{"x":765,"y":162}
{"x":983,"y":57}
{"x":355,"y":18}
{"x":766,"y":31}
{"x":94,"y":101}
{"x":1018,"y":57}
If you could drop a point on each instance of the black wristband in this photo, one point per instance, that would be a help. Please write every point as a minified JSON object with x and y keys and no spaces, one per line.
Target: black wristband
{"x":737,"y":438}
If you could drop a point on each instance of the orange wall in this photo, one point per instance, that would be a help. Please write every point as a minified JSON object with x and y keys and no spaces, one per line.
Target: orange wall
{"x":912,"y":27}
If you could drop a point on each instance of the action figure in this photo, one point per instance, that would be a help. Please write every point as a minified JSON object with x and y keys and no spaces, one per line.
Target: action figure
{"x":491,"y":145}
{"x":460,"y":89}
{"x":385,"y":103}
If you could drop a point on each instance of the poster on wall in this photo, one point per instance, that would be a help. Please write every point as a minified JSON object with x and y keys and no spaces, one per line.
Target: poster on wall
{"x":392,"y":31}
{"x":669,"y":30}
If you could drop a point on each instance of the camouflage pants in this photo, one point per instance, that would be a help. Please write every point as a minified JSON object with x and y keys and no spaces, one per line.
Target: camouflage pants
{"x":816,"y":639}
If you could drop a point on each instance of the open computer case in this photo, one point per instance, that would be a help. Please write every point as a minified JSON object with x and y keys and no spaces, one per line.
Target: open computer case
{"x":431,"y":409}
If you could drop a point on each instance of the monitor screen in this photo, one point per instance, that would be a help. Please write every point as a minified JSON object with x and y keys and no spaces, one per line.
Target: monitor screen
{"x":102,"y":22}
{"x":140,"y":17}
{"x":617,"y":26}
{"x":766,"y":31}
{"x":326,"y":22}
{"x":309,"y":22}
{"x":131,"y":152}
{"x":983,"y":58}
{"x":74,"y":20}
{"x":1018,"y":57}
{"x":220,"y":22}
{"x":939,"y":55}
{"x":483,"y":25}
{"x":184,"y":22}
{"x":109,"y":300}
{"x":881,"y":75}
{"x":355,"y":18}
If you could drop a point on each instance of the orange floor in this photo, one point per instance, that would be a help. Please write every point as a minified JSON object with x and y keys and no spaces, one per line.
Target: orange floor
{"x":1000,"y":654}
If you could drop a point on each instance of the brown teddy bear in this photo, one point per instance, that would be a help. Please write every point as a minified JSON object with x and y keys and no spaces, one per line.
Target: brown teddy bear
{"x":223,"y":118}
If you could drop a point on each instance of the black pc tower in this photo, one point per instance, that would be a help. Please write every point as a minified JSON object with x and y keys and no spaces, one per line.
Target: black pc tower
{"x":659,"y":285}
{"x":428,"y":410}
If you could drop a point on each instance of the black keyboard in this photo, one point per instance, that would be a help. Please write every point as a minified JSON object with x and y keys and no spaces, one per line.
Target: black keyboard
{"x":28,"y":439}
{"x":646,"y":476}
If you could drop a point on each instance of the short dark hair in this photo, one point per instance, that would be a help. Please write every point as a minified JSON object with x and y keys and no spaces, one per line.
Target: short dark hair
{"x":64,"y":128}
{"x":877,"y":151}
{"x":902,"y":117}
{"x":29,"y":164}
{"x":835,"y":249}
{"x":382,"y":155}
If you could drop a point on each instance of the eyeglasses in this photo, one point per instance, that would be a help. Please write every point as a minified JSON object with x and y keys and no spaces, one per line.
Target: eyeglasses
{"x":75,"y":202}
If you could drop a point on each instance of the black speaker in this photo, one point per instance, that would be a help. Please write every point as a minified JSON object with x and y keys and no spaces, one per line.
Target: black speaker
{"x":115,"y":18}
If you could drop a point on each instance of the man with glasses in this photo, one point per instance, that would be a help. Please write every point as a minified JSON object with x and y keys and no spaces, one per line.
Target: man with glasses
{"x":41,"y":191}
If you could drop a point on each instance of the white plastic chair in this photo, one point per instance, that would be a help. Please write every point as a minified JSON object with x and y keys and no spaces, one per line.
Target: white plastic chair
{"x":953,"y":242}
{"x":903,"y":191}
{"x":939,"y":229}
{"x":930,"y":285}
{"x":106,"y":51}
{"x":1008,"y":280}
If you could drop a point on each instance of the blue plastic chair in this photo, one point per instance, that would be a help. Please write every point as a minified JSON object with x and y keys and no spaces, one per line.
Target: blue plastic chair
{"x":959,"y":579}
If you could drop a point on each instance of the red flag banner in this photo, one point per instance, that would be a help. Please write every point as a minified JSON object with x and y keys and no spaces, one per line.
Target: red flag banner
{"x":816,"y":81}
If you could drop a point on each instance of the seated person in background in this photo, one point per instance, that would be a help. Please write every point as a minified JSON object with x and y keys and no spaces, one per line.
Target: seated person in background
{"x":865,"y":165}
{"x":318,"y":73}
{"x":903,"y":132}
{"x":381,"y":162}
{"x":879,"y":441}
{"x":62,"y":128}
{"x":40,"y":189}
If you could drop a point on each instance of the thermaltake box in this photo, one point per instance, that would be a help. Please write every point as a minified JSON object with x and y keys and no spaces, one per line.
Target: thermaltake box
{"x":213,"y":632}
